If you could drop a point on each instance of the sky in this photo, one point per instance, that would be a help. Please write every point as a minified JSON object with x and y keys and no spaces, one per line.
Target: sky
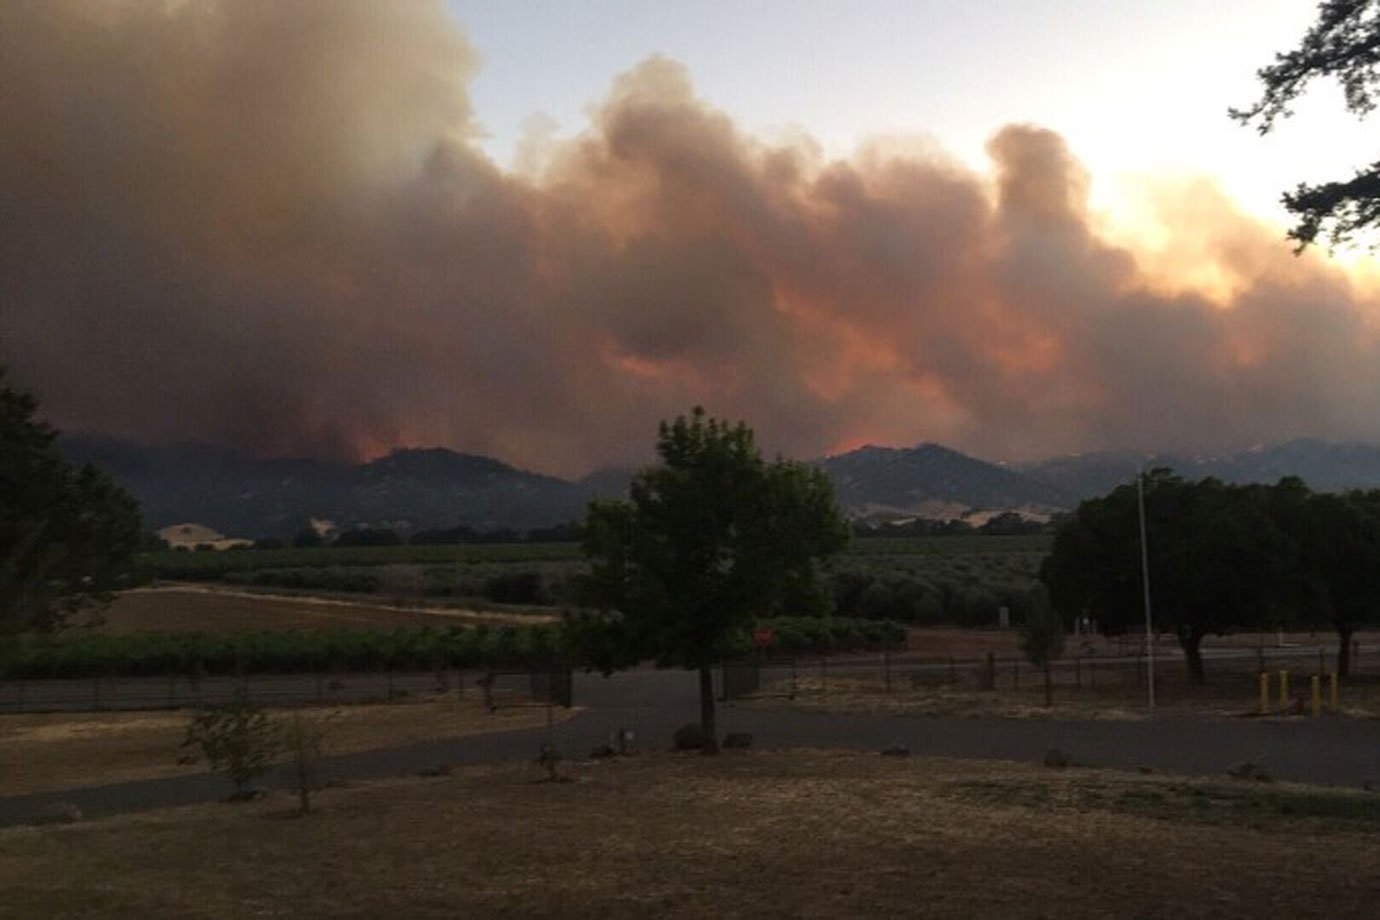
{"x":1137,"y":89}
{"x":532,"y":229}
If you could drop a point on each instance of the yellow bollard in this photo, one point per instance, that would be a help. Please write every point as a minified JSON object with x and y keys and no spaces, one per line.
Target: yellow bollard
{"x":1264,"y":693}
{"x":1316,"y":687}
{"x":1332,"y":693}
{"x":1284,"y":692}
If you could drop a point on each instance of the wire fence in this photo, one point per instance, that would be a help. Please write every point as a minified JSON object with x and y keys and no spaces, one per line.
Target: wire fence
{"x":777,"y":676}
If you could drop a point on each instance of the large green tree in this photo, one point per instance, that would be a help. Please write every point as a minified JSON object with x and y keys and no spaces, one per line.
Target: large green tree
{"x":1343,"y":44}
{"x":712,"y":538}
{"x":67,"y":535}
{"x":1216,"y":561}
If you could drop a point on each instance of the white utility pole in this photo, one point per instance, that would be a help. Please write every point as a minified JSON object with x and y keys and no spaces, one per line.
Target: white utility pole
{"x":1145,"y":579}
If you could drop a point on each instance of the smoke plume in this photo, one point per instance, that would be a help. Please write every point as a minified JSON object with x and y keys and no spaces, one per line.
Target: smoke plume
{"x":266,"y":224}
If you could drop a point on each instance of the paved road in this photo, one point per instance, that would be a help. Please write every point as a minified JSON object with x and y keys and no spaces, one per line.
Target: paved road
{"x":653,"y":703}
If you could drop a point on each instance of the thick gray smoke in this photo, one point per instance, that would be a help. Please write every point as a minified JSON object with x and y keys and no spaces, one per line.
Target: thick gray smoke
{"x":265,"y":224}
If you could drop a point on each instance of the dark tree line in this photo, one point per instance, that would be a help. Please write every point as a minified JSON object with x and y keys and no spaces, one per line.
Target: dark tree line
{"x":1221,"y":557}
{"x":67,"y":534}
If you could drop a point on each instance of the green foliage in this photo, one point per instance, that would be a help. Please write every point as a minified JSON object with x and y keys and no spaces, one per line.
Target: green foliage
{"x":67,"y":535}
{"x":215,"y":566}
{"x":1217,"y":560}
{"x":1343,"y":44}
{"x":237,"y":739}
{"x":1333,"y":575}
{"x":414,"y":648}
{"x":712,"y":539}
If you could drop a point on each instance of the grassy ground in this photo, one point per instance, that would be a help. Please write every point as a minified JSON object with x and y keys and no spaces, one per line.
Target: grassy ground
{"x":216,"y":610}
{"x":54,"y":751}
{"x":1106,"y":694}
{"x":786,"y":834}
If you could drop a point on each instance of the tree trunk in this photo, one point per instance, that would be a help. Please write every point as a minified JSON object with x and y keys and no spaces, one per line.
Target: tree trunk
{"x":711,"y":736}
{"x":1344,"y":651}
{"x":1193,"y":657}
{"x":1049,"y":698}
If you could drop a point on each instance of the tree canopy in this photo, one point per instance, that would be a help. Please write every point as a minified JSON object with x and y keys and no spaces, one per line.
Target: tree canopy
{"x":1344,"y":44}
{"x":67,"y":535}
{"x":1222,"y":557}
{"x":1216,"y":560}
{"x":712,"y":538}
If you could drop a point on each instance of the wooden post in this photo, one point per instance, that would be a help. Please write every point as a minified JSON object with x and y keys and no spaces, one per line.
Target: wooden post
{"x":1264,"y":693}
{"x":1284,"y":691}
{"x":1316,"y":687}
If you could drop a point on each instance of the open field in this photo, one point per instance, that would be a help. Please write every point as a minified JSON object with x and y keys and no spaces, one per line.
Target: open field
{"x":216,"y":610}
{"x":784,"y":834}
{"x":53,"y":751}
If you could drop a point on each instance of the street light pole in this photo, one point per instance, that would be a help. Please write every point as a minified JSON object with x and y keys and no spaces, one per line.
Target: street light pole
{"x":1145,"y":580}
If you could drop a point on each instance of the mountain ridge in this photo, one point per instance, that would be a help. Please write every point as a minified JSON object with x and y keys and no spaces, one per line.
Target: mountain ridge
{"x":414,"y":489}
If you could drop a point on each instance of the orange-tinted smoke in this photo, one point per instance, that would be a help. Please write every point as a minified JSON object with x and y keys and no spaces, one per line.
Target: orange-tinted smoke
{"x":266,"y":224}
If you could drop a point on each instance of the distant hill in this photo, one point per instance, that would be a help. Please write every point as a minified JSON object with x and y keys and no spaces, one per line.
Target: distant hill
{"x":421,"y":489}
{"x":1326,"y":466}
{"x":408,"y":489}
{"x":932,"y":481}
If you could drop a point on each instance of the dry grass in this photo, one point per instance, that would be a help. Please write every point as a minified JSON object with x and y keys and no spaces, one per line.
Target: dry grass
{"x":218,"y":610}
{"x":54,"y":751}
{"x":793,"y":834}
